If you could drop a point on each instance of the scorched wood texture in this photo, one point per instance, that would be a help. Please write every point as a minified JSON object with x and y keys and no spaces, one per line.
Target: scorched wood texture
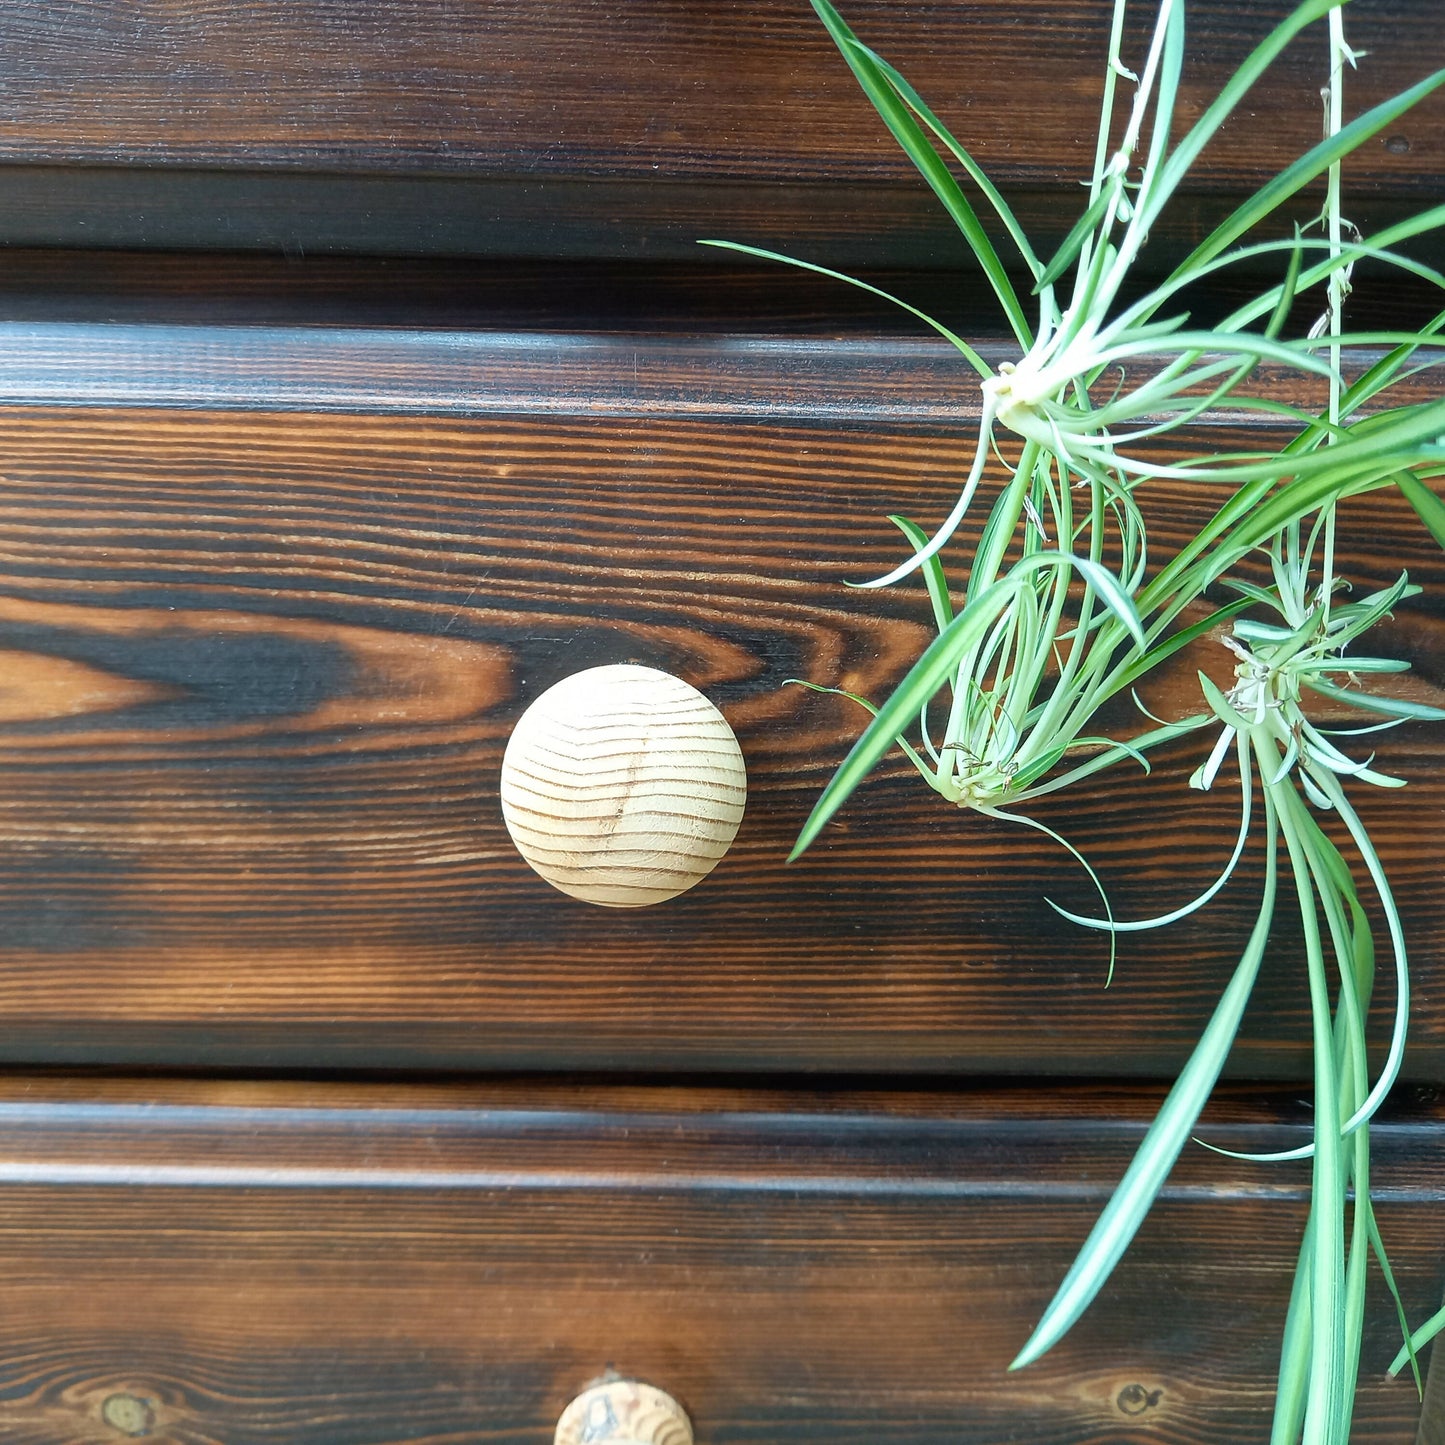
{"x":273,"y":600}
{"x":361,"y":377}
{"x":242,"y":1264}
{"x":482,"y":128}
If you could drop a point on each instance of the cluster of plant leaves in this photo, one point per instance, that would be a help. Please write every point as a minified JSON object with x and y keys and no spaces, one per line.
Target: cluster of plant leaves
{"x":1063,"y":608}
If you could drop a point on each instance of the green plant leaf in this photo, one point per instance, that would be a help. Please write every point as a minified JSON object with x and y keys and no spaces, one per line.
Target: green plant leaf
{"x":1137,"y":665}
{"x":1428,"y":507}
{"x":1294,"y":1361}
{"x":1408,"y":1351}
{"x":1161,"y":920}
{"x":1226,"y":102}
{"x":1418,"y":1340}
{"x":908,"y":749}
{"x":906,"y":130}
{"x":1107,"y":587}
{"x":923,"y":681}
{"x":970,"y":355}
{"x":1315,"y":162}
{"x":1073,"y":243}
{"x":965,"y":632}
{"x":976,"y":173}
{"x":1167,"y":1135}
{"x":933,"y":577}
{"x":1374,"y":702}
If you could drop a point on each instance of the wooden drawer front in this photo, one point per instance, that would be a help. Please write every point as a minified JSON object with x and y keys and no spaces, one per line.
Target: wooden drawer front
{"x":246,"y":1264}
{"x":474,"y":126}
{"x":272,"y":601}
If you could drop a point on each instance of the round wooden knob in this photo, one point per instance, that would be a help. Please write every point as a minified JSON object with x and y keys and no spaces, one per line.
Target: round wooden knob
{"x":623,"y":785}
{"x":623,"y":1412}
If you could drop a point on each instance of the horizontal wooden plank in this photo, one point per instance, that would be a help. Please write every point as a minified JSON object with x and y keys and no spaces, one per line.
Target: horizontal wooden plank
{"x":429,"y":1264}
{"x":260,"y":666}
{"x":701,"y":302}
{"x":665,"y":89}
{"x":555,"y":1133}
{"x":558,"y":219}
{"x":499,"y":128}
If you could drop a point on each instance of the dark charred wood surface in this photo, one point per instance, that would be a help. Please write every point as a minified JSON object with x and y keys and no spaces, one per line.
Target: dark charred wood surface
{"x":700,"y":301}
{"x":419,"y":293}
{"x":244,"y":1263}
{"x":509,"y":128}
{"x":272,"y":600}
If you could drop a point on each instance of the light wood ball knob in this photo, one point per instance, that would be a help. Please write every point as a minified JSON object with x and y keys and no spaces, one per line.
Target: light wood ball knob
{"x":624,"y":1412}
{"x":623,"y":785}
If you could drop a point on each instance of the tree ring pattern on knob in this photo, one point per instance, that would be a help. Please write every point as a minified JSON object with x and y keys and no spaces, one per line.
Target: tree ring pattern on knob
{"x":622,"y":785}
{"x":624,"y":1412}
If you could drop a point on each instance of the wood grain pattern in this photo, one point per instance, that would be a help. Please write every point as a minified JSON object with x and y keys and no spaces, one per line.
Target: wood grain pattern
{"x":298,"y":214}
{"x":813,"y":1272}
{"x":500,"y":128}
{"x":278,"y":577}
{"x":622,"y":786}
{"x":747,"y":89}
{"x":263,"y":664}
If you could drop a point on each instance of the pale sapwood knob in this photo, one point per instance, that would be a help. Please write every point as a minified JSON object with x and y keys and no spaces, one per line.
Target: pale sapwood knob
{"x":623,"y":785}
{"x":623,"y":1412}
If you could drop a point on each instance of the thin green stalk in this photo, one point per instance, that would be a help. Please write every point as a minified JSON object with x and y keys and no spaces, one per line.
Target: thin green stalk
{"x":1325,"y":1419}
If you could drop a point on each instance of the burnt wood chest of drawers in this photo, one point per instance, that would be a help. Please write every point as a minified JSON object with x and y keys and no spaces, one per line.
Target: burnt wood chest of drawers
{"x":360,"y":377}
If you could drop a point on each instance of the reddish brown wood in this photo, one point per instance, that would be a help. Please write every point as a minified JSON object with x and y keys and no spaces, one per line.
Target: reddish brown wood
{"x":502,"y":128}
{"x":270,"y":600}
{"x":240,"y":1262}
{"x":731,"y":90}
{"x":261,"y":665}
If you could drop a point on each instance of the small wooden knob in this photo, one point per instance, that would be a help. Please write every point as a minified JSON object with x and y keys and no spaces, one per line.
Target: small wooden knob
{"x":623,"y":785}
{"x":623,"y":1412}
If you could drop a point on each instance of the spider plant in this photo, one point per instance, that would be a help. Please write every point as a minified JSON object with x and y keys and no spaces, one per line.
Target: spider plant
{"x":999,"y":738}
{"x":1064,"y":608}
{"x":1281,"y":665}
